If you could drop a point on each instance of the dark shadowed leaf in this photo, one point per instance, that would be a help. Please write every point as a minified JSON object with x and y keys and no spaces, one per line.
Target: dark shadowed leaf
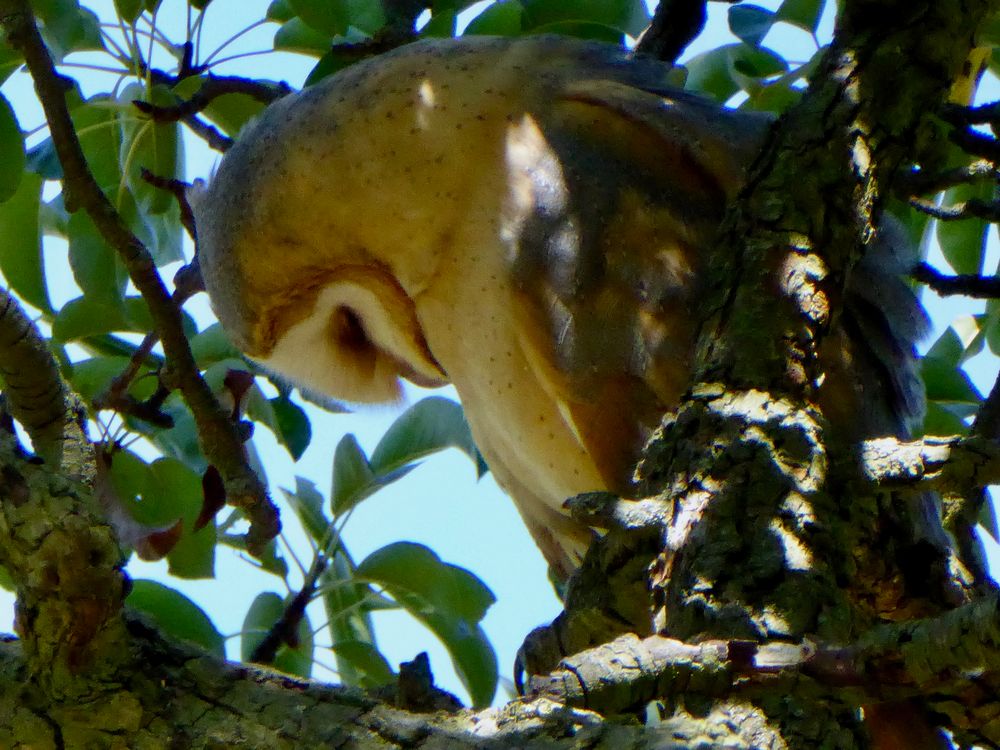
{"x":802,"y":13}
{"x":265,"y":610}
{"x":175,"y":615}
{"x":21,"y":248}
{"x":750,"y":23}
{"x":449,"y":600}
{"x":294,"y":429}
{"x":348,"y":603}
{"x":963,"y":243}
{"x":12,"y":157}
{"x":499,"y":19}
{"x":307,"y":503}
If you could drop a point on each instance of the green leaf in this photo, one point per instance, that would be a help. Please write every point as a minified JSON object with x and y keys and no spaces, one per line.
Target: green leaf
{"x":232,"y":111}
{"x":280,"y":11}
{"x":91,"y":377}
{"x":10,"y":60}
{"x":450,"y":600}
{"x":941,"y":419}
{"x":67,"y":27}
{"x":352,"y":475}
{"x":97,"y":269}
{"x":750,"y":23}
{"x":946,"y":381}
{"x":265,"y":610}
{"x":175,"y":615}
{"x":429,"y":426}
{"x":625,"y":16}
{"x":294,"y":429}
{"x":6,"y":582}
{"x":499,"y":19}
{"x":366,"y":15}
{"x":128,"y":10}
{"x":330,"y":17}
{"x":12,"y":156}
{"x":802,"y":13}
{"x":21,"y":246}
{"x":963,"y":242}
{"x":347,"y":602}
{"x":369,"y":667}
{"x":442,"y":24}
{"x":43,"y":160}
{"x":96,"y":124}
{"x":726,"y":70}
{"x":353,"y":478}
{"x":83,"y":317}
{"x":307,"y":503}
{"x":150,"y":145}
{"x":270,"y":559}
{"x":988,"y":518}
{"x":297,"y":36}
{"x":211,"y":346}
{"x":175,"y":486}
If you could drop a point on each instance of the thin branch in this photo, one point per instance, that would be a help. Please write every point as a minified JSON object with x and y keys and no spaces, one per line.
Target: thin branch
{"x":211,"y":89}
{"x":219,"y":437}
{"x":210,"y":134}
{"x":675,"y":25}
{"x":984,"y":114}
{"x":915,"y":183}
{"x":977,"y":143}
{"x":973,"y":209}
{"x":968,"y":285}
{"x":286,"y":629}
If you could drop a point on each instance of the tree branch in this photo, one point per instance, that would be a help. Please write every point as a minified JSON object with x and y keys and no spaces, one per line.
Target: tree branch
{"x":968,"y":285}
{"x":219,"y":437}
{"x":212,"y":88}
{"x":917,"y":182}
{"x":35,"y":391}
{"x":286,"y":629}
{"x":675,"y":24}
{"x":973,"y":209}
{"x":927,"y":657}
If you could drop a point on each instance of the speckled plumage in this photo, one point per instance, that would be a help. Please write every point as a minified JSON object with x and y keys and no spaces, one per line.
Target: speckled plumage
{"x":528,"y":219}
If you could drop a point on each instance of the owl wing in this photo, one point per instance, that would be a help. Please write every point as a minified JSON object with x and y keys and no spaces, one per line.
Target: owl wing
{"x":616,"y":192}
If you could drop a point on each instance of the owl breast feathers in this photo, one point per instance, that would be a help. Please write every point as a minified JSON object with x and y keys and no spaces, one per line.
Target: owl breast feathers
{"x":531,"y":220}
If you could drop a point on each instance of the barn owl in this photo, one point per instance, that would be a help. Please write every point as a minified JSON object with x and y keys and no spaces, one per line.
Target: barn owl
{"x":530,"y":220}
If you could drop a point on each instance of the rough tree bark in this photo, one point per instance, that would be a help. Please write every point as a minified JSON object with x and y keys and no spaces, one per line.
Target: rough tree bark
{"x":767,"y":648}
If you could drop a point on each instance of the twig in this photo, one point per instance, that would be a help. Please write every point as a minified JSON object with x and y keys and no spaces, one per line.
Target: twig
{"x":212,"y":88}
{"x":210,"y":134}
{"x":675,"y":25}
{"x":179,"y":190}
{"x":968,"y":285}
{"x":976,"y":143}
{"x":981,"y":115}
{"x":286,"y":629}
{"x":916,"y":183}
{"x":219,"y":437}
{"x":973,"y":209}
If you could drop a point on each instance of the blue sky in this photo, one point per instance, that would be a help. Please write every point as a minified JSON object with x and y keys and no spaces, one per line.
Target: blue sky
{"x":441,"y":504}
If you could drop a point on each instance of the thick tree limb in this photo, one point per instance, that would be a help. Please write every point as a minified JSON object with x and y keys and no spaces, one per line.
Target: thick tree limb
{"x":929,"y":657}
{"x":219,"y":438}
{"x":36,"y":394}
